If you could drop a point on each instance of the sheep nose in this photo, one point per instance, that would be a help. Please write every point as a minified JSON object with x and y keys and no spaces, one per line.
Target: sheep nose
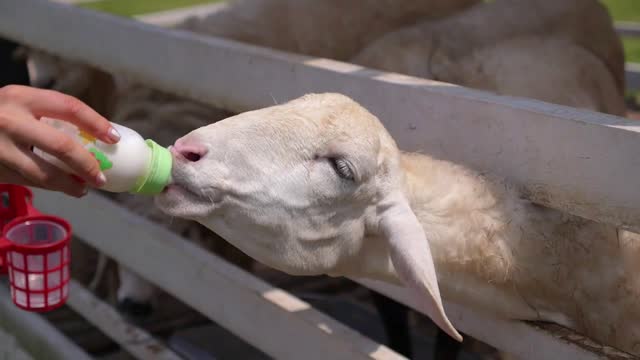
{"x":188,"y":150}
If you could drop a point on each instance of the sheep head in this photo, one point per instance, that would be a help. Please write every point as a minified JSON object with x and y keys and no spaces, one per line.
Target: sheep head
{"x":313,"y":186}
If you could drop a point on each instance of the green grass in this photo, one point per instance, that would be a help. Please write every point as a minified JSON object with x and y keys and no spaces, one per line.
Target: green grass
{"x":626,"y":10}
{"x":632,"y":49}
{"x":623,"y":10}
{"x":138,"y":7}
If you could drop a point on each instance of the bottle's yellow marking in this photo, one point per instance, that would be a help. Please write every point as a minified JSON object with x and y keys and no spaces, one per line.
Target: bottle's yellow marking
{"x":86,"y":137}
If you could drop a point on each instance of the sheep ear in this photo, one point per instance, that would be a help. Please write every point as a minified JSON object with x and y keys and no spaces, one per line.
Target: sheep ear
{"x":411,"y":257}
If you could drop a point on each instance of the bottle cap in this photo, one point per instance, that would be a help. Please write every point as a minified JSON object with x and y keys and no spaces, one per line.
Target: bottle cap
{"x":159,"y":172}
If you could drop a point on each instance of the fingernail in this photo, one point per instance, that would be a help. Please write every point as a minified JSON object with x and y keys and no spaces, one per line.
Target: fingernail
{"x":114,"y":135}
{"x":84,"y":192}
{"x":101,"y":179}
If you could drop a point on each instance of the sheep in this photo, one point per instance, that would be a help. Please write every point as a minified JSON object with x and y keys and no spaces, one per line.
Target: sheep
{"x":333,"y":29}
{"x":584,"y":23}
{"x":318,"y":186}
{"x":549,"y":69}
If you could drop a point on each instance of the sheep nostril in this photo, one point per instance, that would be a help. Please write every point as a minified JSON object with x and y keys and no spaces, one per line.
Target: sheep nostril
{"x":189,"y":152}
{"x":191,"y":156}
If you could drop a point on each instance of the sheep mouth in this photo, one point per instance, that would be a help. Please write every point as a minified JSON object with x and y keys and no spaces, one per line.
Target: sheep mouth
{"x":182,"y":191}
{"x":184,"y":196}
{"x":182,"y":201}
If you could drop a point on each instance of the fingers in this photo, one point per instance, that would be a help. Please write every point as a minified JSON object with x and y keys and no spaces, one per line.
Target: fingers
{"x":9,"y":176}
{"x":37,"y":173}
{"x":56,"y":143}
{"x":54,"y":104}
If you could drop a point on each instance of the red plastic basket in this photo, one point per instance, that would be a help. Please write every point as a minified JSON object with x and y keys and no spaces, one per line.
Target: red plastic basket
{"x":34,"y":250}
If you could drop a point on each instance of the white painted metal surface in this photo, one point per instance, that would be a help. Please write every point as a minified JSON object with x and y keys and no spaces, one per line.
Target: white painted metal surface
{"x":132,"y":339}
{"x":628,"y":28}
{"x":10,"y":349}
{"x":632,"y":71}
{"x":573,"y":160}
{"x":34,"y":333}
{"x":270,"y":319}
{"x":524,"y":340}
{"x":172,"y":17}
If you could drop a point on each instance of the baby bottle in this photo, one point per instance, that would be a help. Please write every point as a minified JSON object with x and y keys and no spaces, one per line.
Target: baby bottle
{"x":132,"y":165}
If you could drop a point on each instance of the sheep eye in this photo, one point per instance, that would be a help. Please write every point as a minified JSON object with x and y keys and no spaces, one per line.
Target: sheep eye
{"x":342,"y":168}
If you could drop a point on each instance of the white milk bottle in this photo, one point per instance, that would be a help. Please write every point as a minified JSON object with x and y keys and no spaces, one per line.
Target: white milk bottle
{"x":132,"y":165}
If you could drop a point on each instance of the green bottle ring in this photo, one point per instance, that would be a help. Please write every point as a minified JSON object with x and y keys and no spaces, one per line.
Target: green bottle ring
{"x":159,"y":172}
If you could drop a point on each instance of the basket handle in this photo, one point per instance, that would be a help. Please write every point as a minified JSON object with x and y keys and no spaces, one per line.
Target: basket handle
{"x":21,"y":201}
{"x":5,"y":247}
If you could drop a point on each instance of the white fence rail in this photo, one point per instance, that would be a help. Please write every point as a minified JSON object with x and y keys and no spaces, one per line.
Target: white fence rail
{"x":578,"y":161}
{"x":173,"y":17}
{"x":628,"y":28}
{"x":10,"y":348}
{"x":34,"y":335}
{"x":632,"y":75}
{"x":134,"y":340}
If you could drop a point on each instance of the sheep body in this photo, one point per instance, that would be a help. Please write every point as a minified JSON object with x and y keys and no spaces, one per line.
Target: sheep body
{"x":584,"y":23}
{"x":333,"y":29}
{"x":549,"y":69}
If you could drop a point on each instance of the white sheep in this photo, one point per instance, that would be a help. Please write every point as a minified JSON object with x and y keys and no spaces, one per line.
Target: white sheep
{"x":335,"y":29}
{"x":549,"y":69}
{"x":584,"y":23}
{"x":562,"y":52}
{"x":318,"y":186}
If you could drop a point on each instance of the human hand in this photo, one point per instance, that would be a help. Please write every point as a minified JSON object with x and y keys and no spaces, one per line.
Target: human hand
{"x":20,"y":109}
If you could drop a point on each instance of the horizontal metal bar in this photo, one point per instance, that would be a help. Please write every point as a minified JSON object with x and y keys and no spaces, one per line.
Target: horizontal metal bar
{"x":10,"y":349}
{"x":175,"y":16}
{"x":525,"y":340}
{"x":132,"y":339}
{"x":628,"y":28}
{"x":632,"y":74}
{"x":41,"y":339}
